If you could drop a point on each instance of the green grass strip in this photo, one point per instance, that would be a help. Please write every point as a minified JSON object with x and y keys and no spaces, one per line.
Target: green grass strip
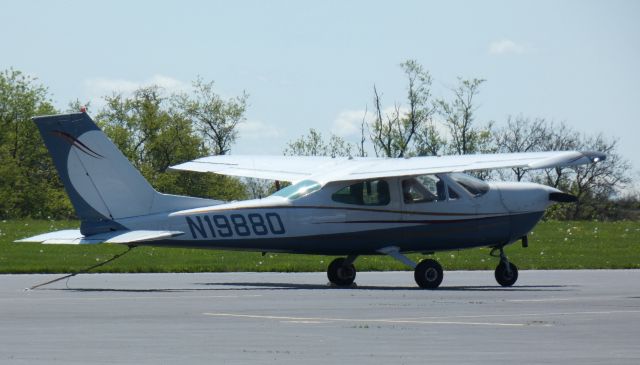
{"x":552,"y":245}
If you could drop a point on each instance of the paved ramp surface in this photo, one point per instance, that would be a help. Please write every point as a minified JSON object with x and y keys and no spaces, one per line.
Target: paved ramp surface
{"x":567,"y":317}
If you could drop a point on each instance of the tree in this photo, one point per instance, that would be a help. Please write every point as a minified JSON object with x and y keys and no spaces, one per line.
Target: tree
{"x":215,"y":117}
{"x":383,"y":134}
{"x":363,"y":137}
{"x":521,"y":135}
{"x":429,"y":141}
{"x":313,"y":144}
{"x":154,"y":134}
{"x":596,"y":184}
{"x":29,"y":185}
{"x":392,"y":133}
{"x":559,"y":137}
{"x":459,"y":116}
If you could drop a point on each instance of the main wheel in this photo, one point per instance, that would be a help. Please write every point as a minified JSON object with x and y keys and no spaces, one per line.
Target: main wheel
{"x":340,"y":273}
{"x":505,"y":278}
{"x":428,"y":274}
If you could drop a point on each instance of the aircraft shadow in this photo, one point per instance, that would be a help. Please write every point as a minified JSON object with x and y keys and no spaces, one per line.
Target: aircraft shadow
{"x":114,"y":290}
{"x":258,"y":286}
{"x":290,"y":286}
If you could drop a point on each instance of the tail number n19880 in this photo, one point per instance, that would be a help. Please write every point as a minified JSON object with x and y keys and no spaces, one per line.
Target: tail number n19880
{"x":238,"y":225}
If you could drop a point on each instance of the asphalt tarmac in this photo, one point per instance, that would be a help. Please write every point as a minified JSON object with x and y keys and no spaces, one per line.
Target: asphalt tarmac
{"x":567,"y":317}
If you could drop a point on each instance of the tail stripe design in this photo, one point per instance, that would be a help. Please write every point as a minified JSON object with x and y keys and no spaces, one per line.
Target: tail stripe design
{"x":76,"y":143}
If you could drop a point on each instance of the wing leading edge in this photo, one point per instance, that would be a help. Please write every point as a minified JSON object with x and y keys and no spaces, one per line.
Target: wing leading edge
{"x":325,"y":169}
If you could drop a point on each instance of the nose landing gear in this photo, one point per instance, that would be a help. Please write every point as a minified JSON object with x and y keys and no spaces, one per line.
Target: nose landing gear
{"x":506,"y":273}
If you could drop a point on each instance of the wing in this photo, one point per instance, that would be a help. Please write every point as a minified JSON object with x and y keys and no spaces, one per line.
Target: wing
{"x":324,"y":169}
{"x":74,"y":237}
{"x":284,"y":168}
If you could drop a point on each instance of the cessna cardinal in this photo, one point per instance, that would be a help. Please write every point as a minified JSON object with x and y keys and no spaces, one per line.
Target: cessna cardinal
{"x":334,"y":206}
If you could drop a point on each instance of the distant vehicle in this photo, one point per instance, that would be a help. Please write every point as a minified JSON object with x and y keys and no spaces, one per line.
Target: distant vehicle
{"x":335,"y":206}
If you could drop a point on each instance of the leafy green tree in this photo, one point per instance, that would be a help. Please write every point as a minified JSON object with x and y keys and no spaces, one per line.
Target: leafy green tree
{"x":313,"y":144}
{"x":29,"y":185}
{"x":154,"y":135}
{"x":392,"y":133}
{"x":215,"y":118}
{"x":459,"y":116}
{"x":429,"y":141}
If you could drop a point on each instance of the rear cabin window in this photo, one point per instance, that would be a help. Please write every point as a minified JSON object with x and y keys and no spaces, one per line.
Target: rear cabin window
{"x":372,"y":192}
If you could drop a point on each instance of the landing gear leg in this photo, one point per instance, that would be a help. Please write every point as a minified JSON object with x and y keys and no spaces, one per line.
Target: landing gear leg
{"x":506,"y":273}
{"x":428,"y":273}
{"x":341,"y":271}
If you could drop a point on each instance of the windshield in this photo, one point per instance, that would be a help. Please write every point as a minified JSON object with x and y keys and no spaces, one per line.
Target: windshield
{"x":298,"y":190}
{"x":474,"y":186}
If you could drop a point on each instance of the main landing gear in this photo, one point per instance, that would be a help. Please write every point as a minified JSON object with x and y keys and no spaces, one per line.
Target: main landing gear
{"x":506,"y":273}
{"x":428,"y":273}
{"x":341,"y":271}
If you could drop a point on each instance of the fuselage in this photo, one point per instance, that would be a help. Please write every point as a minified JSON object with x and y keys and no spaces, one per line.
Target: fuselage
{"x":417,"y":214}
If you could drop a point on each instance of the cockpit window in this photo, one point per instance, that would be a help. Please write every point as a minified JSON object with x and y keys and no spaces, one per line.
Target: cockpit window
{"x":298,"y":190}
{"x":474,"y":186}
{"x":421,"y":189}
{"x":372,"y":192}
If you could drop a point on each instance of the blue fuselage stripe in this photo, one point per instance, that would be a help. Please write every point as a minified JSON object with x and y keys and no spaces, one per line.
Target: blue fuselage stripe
{"x":417,"y":236}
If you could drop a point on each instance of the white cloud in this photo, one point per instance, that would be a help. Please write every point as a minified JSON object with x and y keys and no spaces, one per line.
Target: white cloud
{"x":257,"y":130}
{"x":507,"y":46}
{"x":168,"y":83}
{"x":100,"y":86}
{"x":348,"y":122}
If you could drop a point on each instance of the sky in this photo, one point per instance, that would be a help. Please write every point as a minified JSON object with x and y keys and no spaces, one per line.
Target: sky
{"x":313,"y":64}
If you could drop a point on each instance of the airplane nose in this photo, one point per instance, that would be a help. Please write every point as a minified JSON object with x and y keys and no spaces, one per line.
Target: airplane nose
{"x":529,"y":197}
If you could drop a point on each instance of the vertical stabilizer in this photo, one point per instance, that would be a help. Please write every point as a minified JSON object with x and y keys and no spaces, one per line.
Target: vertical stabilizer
{"x":102,"y":184}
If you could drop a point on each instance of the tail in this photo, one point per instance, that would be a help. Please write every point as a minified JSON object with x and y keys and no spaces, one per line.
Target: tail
{"x":101,"y":183}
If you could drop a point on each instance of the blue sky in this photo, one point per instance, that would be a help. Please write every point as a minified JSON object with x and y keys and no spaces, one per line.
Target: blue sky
{"x":313,"y":64}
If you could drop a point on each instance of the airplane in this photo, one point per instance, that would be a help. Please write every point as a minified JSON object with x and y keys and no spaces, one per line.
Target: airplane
{"x":344,"y":207}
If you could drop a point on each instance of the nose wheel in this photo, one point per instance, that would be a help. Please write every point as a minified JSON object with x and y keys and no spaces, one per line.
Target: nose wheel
{"x":341,"y":271}
{"x":506,"y":273}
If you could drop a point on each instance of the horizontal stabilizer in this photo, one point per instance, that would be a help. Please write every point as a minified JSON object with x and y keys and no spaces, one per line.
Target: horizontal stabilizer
{"x":74,"y":237}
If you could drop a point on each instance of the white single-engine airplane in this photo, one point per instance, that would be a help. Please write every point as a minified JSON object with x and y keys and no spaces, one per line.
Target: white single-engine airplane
{"x":335,"y":206}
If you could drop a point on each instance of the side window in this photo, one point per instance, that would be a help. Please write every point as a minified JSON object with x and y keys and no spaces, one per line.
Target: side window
{"x":372,"y":192}
{"x":474,"y":186}
{"x":423,"y":189}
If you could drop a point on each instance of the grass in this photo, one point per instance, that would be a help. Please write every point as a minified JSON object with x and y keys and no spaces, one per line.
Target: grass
{"x":552,"y":245}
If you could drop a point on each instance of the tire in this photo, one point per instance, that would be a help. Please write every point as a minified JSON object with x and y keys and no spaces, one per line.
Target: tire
{"x":341,"y":274}
{"x":503,"y":277}
{"x":428,"y":274}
